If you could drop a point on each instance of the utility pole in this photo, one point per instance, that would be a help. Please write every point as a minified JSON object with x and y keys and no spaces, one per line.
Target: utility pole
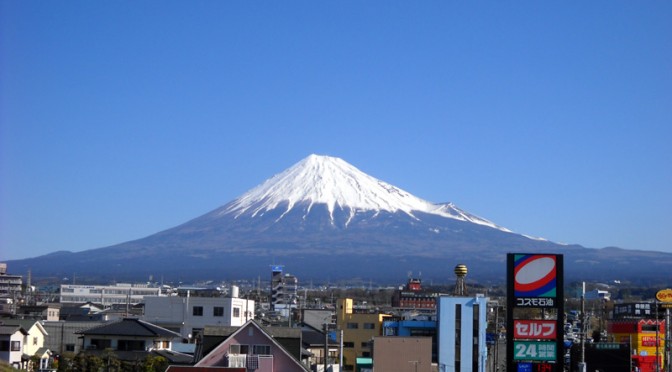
{"x":657,"y":337}
{"x":668,"y":339}
{"x":326,"y":346}
{"x":582,"y":360}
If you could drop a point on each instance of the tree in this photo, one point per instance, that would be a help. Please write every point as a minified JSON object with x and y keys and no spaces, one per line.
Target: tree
{"x":155,"y":363}
{"x":87,"y":362}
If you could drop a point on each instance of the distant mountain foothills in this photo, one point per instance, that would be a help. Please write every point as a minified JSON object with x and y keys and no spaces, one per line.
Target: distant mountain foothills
{"x":325,"y":220}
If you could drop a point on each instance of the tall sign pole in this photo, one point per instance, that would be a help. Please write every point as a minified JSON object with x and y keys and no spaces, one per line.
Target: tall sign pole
{"x":535,"y":339}
{"x":664,"y":297}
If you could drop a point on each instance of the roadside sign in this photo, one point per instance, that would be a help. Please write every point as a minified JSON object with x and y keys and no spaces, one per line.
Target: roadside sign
{"x":534,"y":351}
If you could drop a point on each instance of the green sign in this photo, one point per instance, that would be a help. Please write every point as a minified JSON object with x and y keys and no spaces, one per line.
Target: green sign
{"x":534,"y":350}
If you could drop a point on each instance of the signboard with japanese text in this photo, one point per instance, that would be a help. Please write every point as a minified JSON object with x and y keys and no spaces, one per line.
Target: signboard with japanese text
{"x":535,"y":280}
{"x":534,"y":351}
{"x":535,"y":296}
{"x":535,"y":329}
{"x":664,"y":295}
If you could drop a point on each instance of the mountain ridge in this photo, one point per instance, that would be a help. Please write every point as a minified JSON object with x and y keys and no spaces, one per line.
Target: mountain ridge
{"x":325,"y":219}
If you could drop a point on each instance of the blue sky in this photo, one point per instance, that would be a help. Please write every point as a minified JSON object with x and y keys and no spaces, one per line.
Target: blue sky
{"x":119,"y":119}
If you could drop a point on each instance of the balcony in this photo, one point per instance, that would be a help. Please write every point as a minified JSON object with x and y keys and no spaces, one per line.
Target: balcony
{"x":250,"y":362}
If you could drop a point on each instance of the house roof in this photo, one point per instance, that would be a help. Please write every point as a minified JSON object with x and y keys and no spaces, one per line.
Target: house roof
{"x":27,"y":324}
{"x":12,"y":329}
{"x":224,"y":346}
{"x":129,"y":327}
{"x":311,"y":337}
{"x":280,"y":332}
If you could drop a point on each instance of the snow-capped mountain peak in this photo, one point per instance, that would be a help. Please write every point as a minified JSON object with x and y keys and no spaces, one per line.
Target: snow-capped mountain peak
{"x":335,"y":183}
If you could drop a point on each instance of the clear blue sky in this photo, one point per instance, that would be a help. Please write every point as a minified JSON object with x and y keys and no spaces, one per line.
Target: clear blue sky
{"x":119,"y":119}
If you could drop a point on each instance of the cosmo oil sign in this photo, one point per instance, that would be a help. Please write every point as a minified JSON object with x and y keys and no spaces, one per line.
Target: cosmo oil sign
{"x":535,"y":298}
{"x":535,"y":280}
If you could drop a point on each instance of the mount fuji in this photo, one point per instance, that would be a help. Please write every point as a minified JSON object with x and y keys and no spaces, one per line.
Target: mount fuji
{"x":326,"y":220}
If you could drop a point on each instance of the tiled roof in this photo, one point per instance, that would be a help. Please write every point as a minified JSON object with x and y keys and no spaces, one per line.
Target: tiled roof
{"x":10,"y":330}
{"x":129,"y":327}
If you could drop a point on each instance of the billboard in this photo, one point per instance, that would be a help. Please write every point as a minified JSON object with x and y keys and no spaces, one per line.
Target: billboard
{"x":540,"y":351}
{"x":535,"y":280}
{"x":535,"y":292}
{"x":535,"y":329}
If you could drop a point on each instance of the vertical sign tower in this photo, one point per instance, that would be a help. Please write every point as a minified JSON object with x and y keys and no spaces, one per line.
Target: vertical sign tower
{"x":535,"y":311}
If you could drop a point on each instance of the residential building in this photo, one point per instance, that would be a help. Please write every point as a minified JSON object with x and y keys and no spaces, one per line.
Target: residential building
{"x":107,"y":295}
{"x":462,"y":323}
{"x":35,"y":337}
{"x":402,"y":354}
{"x":10,"y":291}
{"x":11,"y":344}
{"x":359,"y":327}
{"x":253,"y":348}
{"x":10,"y":285}
{"x":189,"y":315}
{"x":63,"y":336}
{"x":283,"y":291}
{"x":49,"y":311}
{"x":129,"y":339}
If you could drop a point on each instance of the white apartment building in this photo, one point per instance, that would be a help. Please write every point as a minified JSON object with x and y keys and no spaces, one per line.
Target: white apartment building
{"x":107,"y":295}
{"x":189,"y":315}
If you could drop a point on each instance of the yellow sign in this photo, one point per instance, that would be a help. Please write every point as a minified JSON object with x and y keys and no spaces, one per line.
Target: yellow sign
{"x":664,"y":295}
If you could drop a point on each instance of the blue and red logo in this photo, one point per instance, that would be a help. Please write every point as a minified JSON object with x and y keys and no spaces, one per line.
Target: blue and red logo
{"x":534,"y":275}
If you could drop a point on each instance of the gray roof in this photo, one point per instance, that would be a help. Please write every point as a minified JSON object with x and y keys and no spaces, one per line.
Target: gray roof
{"x":10,"y":330}
{"x":25,"y":323}
{"x":282,"y":332}
{"x":129,"y":327}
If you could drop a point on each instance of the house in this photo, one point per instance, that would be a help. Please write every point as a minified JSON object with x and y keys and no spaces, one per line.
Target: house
{"x":189,"y":315}
{"x":313,"y":342}
{"x":129,"y":339}
{"x":63,"y":336}
{"x":11,"y":344}
{"x":33,"y":341}
{"x":252,"y":347}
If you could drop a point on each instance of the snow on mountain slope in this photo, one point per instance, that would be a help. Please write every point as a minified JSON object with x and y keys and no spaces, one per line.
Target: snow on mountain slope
{"x":335,"y":183}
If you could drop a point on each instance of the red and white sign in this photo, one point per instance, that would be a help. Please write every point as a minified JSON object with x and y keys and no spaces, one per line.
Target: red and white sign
{"x":534,"y":329}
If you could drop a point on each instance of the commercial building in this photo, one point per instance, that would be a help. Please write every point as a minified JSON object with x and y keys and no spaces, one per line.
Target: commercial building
{"x":462,"y":343}
{"x":107,"y":295}
{"x":359,"y":327}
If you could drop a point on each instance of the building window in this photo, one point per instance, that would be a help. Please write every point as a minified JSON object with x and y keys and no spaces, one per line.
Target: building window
{"x":16,"y":345}
{"x":238,"y":349}
{"x":348,"y":345}
{"x":130,"y":345}
{"x":4,"y":345}
{"x":100,"y":344}
{"x":369,"y":326}
{"x":198,"y":311}
{"x":352,"y":325}
{"x":236,"y":312}
{"x":218,"y":311}
{"x":70,"y":347}
{"x":262,"y":349}
{"x":34,"y":340}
